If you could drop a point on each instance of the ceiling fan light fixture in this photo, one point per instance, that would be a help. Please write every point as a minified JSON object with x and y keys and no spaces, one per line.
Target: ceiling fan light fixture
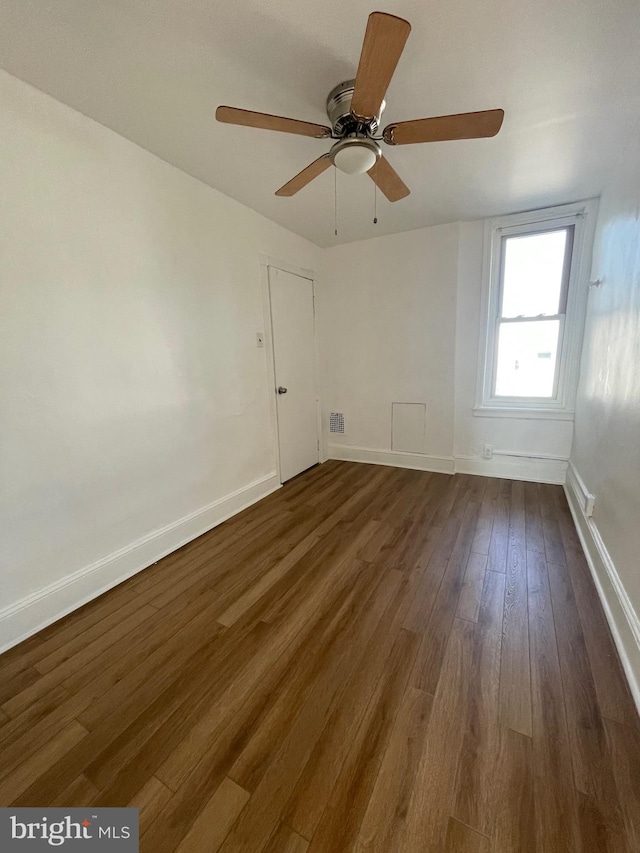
{"x":355,"y":155}
{"x":355,"y":107}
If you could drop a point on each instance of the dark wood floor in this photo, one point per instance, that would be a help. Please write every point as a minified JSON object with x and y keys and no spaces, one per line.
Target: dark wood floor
{"x":371,"y":659}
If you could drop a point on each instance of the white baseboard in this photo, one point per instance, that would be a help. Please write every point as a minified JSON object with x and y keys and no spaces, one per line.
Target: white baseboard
{"x":620,"y":612}
{"x":511,"y":466}
{"x":394,"y":458}
{"x":34,"y":612}
{"x":539,"y":469}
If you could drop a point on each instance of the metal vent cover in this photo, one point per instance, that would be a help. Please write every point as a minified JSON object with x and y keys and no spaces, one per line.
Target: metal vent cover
{"x":336,"y":422}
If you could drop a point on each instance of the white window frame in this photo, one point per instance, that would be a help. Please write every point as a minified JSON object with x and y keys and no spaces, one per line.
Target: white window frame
{"x":581,"y":216}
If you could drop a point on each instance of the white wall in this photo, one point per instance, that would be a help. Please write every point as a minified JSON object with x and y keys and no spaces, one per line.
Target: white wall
{"x":399,"y":320}
{"x":133,"y":394}
{"x":606,"y":450}
{"x":387,"y":313}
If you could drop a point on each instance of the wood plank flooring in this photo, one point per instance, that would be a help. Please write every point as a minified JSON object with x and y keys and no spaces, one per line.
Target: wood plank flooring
{"x":371,"y":659}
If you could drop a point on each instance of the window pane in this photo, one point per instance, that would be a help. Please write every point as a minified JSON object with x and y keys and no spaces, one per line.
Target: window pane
{"x":527,"y":355}
{"x":532,"y":274}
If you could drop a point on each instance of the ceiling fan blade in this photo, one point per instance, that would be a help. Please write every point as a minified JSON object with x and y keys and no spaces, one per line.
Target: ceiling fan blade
{"x":305,"y":176}
{"x":388,"y":180}
{"x":247,"y":118}
{"x":384,"y":41}
{"x":443,"y":128}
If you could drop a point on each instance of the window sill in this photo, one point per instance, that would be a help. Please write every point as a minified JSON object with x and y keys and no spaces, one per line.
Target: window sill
{"x":523,"y":412}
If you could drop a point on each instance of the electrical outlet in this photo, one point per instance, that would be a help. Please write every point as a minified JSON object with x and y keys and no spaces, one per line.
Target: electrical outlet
{"x":259,"y":339}
{"x":487,"y":451}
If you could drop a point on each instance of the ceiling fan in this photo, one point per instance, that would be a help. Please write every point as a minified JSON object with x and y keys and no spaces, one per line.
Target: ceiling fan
{"x":354,"y":109}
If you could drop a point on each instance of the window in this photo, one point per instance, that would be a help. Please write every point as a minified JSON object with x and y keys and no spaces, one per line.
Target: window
{"x":534,"y":309}
{"x":534,"y":278}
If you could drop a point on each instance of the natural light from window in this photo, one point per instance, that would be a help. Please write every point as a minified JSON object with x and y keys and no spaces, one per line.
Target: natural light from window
{"x":532,"y":306}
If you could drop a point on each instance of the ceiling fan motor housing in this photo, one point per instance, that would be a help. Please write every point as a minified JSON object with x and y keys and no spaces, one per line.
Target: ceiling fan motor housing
{"x":342,"y":119}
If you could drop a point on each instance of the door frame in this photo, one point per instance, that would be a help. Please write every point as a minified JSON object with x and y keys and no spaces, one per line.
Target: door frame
{"x":277,"y":263}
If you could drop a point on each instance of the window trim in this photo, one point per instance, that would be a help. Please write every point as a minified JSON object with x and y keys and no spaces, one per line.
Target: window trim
{"x":581,"y":216}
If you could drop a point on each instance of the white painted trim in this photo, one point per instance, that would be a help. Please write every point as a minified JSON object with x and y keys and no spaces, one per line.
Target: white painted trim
{"x":619,"y":610}
{"x":395,"y":458}
{"x":541,"y":215}
{"x":583,"y":216}
{"x":523,"y":414}
{"x":34,"y":612}
{"x":285,"y":266}
{"x":504,"y":464}
{"x":515,"y":466}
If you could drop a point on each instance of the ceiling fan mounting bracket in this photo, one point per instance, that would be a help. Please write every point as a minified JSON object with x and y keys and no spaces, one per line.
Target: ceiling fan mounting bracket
{"x":343,"y":121}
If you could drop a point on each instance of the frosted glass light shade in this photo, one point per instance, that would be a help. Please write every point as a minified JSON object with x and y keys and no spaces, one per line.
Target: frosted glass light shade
{"x":355,"y":159}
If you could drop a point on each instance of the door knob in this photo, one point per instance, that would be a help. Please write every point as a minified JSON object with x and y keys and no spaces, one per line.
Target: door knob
{"x":281,"y":390}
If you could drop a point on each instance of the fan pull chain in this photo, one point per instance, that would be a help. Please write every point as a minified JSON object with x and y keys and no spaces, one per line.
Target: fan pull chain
{"x":375,"y":203}
{"x":335,"y":204}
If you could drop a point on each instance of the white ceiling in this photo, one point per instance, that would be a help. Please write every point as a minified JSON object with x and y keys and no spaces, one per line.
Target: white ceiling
{"x":566,"y":73}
